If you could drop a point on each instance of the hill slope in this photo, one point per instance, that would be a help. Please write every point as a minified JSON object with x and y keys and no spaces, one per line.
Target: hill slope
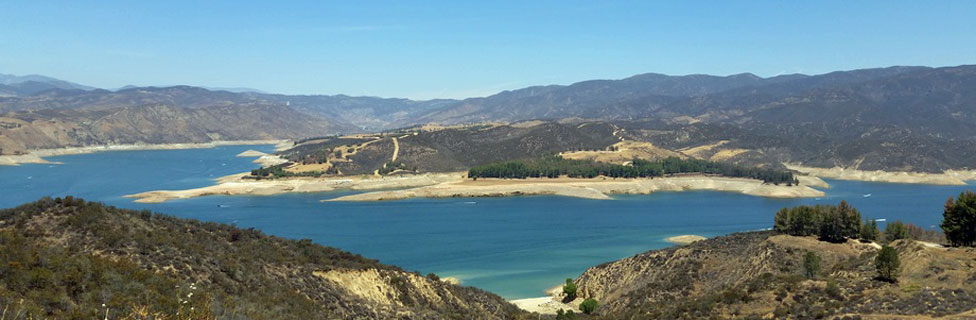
{"x":75,"y":259}
{"x":757,"y":275}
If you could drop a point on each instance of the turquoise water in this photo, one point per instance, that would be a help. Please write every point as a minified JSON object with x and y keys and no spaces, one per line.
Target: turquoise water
{"x":515,"y":247}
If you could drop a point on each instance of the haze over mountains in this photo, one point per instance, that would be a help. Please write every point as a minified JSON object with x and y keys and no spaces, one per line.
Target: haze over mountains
{"x":833,"y":114}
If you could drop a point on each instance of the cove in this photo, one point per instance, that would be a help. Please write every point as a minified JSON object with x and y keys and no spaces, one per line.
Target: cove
{"x":516,"y":247}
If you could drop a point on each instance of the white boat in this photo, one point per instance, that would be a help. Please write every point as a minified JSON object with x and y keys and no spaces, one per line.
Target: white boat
{"x":867,"y":195}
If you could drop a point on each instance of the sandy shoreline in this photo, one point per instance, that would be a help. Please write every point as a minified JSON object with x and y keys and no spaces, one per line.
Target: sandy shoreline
{"x":597,"y":188}
{"x":684,"y":239}
{"x":949,"y":177}
{"x":234,"y":185}
{"x":37,"y":156}
{"x":453,"y":184}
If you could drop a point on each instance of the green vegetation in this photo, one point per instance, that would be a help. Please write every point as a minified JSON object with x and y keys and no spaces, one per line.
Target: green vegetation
{"x":869,"y":230}
{"x":887,"y":264}
{"x":556,"y":166}
{"x":570,"y":289}
{"x":959,"y":219}
{"x":588,"y":306}
{"x":567,"y":315}
{"x":278,"y":171}
{"x":895,"y":230}
{"x":811,"y":265}
{"x":830,"y":223}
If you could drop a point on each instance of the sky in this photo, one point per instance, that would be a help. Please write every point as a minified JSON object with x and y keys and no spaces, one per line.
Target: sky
{"x":457,"y":49}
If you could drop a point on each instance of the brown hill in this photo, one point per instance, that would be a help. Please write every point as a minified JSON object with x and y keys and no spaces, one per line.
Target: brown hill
{"x":68,"y":258}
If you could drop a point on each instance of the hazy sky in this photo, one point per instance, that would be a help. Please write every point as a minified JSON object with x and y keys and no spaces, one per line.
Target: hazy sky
{"x":453,"y":49}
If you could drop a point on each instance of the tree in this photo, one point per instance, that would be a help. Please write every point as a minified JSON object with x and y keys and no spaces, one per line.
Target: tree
{"x":959,"y":219}
{"x":588,"y":306}
{"x":887,"y":264}
{"x":811,"y":264}
{"x":570,"y":289}
{"x":895,"y":230}
{"x":869,"y":230}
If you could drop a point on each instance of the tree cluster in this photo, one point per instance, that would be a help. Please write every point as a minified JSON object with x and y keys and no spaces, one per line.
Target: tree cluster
{"x":830,"y":223}
{"x":959,"y":219}
{"x":556,"y":166}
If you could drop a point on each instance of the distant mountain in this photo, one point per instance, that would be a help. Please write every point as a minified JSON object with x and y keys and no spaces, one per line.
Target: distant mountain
{"x":156,"y":124}
{"x":11,"y":85}
{"x":355,"y":113}
{"x":648,"y":95}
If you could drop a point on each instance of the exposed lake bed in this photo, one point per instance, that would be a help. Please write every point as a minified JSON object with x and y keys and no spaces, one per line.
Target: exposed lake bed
{"x":516,"y":247}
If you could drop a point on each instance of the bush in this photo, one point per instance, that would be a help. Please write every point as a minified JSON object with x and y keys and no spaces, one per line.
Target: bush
{"x":895,"y":230}
{"x":570,"y":289}
{"x":869,"y":230}
{"x":833,"y":289}
{"x":887,"y":264}
{"x":811,"y":265}
{"x":568,"y":315}
{"x":959,"y":220}
{"x":588,"y":306}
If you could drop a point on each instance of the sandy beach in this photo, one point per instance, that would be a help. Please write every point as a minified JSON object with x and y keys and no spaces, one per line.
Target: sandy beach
{"x":453,"y":184}
{"x":234,"y":185}
{"x":37,"y":156}
{"x":598,"y":188}
{"x":949,"y":177}
{"x":684,"y":239}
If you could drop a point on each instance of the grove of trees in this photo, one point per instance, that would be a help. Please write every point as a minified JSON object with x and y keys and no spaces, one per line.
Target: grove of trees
{"x":830,"y":223}
{"x":556,"y":166}
{"x":959,"y":219}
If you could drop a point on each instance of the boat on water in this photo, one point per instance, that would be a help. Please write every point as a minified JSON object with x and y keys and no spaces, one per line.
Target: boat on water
{"x":867,"y":195}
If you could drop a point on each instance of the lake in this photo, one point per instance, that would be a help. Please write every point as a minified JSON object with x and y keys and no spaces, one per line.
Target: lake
{"x":515,"y":247}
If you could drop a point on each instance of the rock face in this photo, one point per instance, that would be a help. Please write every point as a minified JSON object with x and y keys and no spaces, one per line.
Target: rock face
{"x":758,"y":274}
{"x":221,"y":271}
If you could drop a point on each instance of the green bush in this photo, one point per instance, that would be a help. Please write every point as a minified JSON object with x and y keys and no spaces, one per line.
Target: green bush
{"x":887,"y":264}
{"x":811,"y":265}
{"x":570,"y":289}
{"x":588,"y":306}
{"x":869,"y":230}
{"x":959,"y":219}
{"x":895,"y":230}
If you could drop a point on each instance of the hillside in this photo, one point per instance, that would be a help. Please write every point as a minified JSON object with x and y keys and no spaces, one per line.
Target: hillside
{"x":154,"y":124}
{"x":445,"y":149}
{"x":68,"y":258}
{"x":758,"y":275}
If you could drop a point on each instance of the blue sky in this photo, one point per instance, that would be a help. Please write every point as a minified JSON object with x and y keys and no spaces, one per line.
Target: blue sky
{"x":455,"y":49}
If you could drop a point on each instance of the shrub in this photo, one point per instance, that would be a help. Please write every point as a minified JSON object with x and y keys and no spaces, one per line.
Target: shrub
{"x":895,"y":230}
{"x":959,"y":219}
{"x":811,"y":265}
{"x":887,"y":264}
{"x":833,"y":289}
{"x":588,"y":306}
{"x":570,"y":289}
{"x":869,"y":230}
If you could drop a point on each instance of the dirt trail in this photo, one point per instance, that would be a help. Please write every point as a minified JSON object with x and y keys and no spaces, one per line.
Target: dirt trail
{"x":396,"y":149}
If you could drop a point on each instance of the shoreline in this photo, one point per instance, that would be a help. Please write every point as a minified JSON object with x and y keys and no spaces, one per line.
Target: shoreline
{"x":948,"y":177}
{"x":37,"y":155}
{"x":454,"y":184}
{"x":596,"y":188}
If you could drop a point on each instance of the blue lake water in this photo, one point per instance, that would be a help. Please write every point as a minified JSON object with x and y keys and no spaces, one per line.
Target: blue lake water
{"x":515,"y":247}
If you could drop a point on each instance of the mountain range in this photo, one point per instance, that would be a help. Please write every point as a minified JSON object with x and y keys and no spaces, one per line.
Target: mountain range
{"x":903,"y":108}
